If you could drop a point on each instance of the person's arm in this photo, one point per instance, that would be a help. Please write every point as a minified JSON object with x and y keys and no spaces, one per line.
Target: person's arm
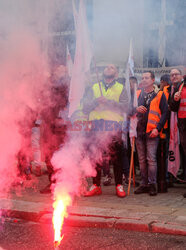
{"x":173,"y":104}
{"x":89,"y":102}
{"x":140,"y":109}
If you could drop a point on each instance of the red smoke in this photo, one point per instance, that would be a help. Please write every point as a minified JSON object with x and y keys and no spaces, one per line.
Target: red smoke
{"x":21,"y":80}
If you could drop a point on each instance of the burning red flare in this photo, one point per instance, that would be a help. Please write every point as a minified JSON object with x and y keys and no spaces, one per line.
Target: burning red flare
{"x":60,"y":212}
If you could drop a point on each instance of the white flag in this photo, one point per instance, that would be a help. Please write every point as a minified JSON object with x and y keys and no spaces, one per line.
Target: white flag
{"x":134,"y":119}
{"x":129,"y":73}
{"x":82,"y":59}
{"x":129,"y":70}
{"x":69,"y":62}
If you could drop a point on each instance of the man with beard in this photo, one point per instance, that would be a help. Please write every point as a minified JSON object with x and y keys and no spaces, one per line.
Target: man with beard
{"x":152,"y":114}
{"x":105,"y":102}
{"x":178,"y":104}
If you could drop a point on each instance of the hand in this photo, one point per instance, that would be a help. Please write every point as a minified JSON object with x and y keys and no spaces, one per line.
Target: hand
{"x":154,"y":133}
{"x":101,"y":100}
{"x":141,"y":109}
{"x":177,"y":96}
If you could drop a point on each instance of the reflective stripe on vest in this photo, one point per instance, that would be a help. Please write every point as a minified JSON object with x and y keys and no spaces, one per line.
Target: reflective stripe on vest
{"x":112,"y":93}
{"x":154,"y":113}
{"x":182,"y":107}
{"x":183,"y":100}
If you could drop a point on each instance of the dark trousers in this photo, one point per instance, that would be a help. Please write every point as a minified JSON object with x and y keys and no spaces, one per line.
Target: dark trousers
{"x":183,"y":144}
{"x":126,"y":166}
{"x":162,"y":155}
{"x":115,"y":151}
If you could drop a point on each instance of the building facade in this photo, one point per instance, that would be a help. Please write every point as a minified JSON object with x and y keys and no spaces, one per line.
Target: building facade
{"x":157,"y":28}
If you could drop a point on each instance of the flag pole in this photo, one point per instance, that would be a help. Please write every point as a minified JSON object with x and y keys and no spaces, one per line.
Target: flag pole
{"x":181,"y":88}
{"x":97,"y":76}
{"x":131,"y":164}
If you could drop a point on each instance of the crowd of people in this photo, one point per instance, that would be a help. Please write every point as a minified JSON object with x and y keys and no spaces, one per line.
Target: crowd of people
{"x":107,"y":101}
{"x":107,"y":107}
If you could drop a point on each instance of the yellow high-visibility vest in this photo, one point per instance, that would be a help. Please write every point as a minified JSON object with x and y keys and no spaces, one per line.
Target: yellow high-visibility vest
{"x":112,"y":93}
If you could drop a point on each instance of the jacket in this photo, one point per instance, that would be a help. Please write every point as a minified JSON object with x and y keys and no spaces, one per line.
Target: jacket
{"x":156,"y":114}
{"x":174,"y":106}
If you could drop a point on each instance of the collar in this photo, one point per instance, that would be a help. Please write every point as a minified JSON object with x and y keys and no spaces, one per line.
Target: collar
{"x":108,"y":85}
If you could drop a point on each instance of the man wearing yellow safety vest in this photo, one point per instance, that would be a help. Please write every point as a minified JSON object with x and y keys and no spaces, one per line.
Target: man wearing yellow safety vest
{"x":105,"y":103}
{"x":152,"y":113}
{"x":178,"y":104}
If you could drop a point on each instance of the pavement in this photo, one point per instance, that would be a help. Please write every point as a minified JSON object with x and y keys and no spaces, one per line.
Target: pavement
{"x":164,"y":213}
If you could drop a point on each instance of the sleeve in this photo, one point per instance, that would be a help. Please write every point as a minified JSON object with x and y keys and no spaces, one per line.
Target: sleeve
{"x":164,"y":112}
{"x":174,"y":105}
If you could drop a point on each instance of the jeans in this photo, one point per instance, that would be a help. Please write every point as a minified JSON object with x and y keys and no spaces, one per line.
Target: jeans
{"x":147,"y":149}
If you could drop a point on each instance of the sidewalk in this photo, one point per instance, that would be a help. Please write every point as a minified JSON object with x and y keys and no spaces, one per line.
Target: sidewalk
{"x":164,"y":213}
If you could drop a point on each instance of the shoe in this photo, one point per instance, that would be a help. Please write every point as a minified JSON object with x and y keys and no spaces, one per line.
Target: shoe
{"x":94,"y":190}
{"x":46,"y":190}
{"x":184,"y":195}
{"x":107,"y":180}
{"x":152,"y":190}
{"x":126,"y":182}
{"x":120,"y":192}
{"x":142,"y":189}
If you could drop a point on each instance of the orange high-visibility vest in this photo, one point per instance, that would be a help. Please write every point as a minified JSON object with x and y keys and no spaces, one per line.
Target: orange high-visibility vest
{"x":154,"y":111}
{"x":182,"y":107}
{"x":166,"y":93}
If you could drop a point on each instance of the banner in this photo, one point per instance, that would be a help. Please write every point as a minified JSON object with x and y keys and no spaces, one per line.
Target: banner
{"x":82,"y":60}
{"x":174,"y":153}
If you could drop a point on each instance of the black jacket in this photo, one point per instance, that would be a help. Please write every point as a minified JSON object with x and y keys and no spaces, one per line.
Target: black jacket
{"x":174,"y":106}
